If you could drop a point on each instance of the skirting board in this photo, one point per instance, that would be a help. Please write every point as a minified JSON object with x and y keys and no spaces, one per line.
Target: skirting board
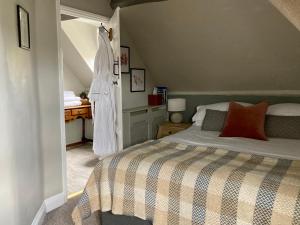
{"x":47,"y":206}
{"x":55,"y":201}
{"x":40,"y":216}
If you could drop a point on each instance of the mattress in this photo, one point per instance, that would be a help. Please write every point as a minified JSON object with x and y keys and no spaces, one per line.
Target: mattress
{"x":274,"y":147}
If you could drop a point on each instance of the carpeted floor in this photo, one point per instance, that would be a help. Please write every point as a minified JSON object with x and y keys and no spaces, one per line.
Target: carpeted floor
{"x":80,"y":164}
{"x":62,"y":215}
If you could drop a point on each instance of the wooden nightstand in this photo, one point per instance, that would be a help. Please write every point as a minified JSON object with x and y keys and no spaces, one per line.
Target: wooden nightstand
{"x":169,"y":128}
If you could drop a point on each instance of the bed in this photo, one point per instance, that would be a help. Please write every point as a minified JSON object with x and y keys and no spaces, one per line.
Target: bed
{"x":195,"y":177}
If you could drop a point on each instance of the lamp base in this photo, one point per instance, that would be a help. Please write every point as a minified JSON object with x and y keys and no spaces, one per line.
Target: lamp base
{"x":176,"y":117}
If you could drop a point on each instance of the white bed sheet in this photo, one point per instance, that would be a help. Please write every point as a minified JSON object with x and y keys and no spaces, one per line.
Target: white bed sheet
{"x":274,"y":147}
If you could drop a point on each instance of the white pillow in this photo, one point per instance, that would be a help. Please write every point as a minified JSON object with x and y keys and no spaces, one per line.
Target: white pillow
{"x":284,"y":109}
{"x":201,"y":110}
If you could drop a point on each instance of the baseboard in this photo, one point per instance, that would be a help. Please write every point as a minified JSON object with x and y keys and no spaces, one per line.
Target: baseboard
{"x":55,"y":202}
{"x":40,"y":215}
{"x":47,"y":206}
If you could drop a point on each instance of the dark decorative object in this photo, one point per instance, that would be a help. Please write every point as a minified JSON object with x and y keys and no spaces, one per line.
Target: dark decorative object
{"x":125,"y":59}
{"x":83,"y":95}
{"x":23,"y":28}
{"x":137,"y":80}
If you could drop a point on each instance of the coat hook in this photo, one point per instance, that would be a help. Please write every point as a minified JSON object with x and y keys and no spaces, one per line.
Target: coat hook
{"x":110,"y":32}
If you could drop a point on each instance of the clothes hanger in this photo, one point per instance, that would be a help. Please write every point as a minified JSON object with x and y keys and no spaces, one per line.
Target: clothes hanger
{"x":110,"y":36}
{"x":110,"y":32}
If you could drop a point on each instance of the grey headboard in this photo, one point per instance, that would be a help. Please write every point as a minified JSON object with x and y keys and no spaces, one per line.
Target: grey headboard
{"x":194,"y":100}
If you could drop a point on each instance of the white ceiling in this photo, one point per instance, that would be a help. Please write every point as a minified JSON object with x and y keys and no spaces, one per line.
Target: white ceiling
{"x":75,"y":61}
{"x":79,"y":42}
{"x":216,"y":45}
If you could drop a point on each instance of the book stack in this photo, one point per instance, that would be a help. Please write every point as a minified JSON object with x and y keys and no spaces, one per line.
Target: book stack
{"x":163,"y":91}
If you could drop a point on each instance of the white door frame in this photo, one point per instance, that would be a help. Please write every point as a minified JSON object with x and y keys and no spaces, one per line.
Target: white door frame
{"x":83,"y":14}
{"x":61,"y":9}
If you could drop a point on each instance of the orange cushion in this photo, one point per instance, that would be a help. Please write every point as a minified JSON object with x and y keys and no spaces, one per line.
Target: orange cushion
{"x":248,"y":122}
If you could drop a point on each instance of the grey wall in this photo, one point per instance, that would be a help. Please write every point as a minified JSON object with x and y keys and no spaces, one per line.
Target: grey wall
{"x":193,"y":101}
{"x":216,"y":45}
{"x":28,"y":149}
{"x":101,"y":7}
{"x":21,"y":156}
{"x":134,"y":99}
{"x":49,"y":82}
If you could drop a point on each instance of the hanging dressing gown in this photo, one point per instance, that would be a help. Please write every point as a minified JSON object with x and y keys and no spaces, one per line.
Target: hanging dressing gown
{"x":102,"y":98}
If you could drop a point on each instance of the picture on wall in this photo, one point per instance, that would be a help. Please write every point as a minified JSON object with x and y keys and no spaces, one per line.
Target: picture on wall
{"x":23,"y":28}
{"x":137,"y":80}
{"x":125,"y":59}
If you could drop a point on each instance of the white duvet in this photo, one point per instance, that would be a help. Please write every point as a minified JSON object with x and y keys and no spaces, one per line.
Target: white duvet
{"x":274,"y":147}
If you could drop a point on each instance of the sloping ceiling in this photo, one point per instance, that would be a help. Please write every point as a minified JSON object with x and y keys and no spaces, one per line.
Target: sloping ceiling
{"x":290,"y":9}
{"x":216,"y":45}
{"x":79,"y":42}
{"x":75,"y":61}
{"x":84,"y":38}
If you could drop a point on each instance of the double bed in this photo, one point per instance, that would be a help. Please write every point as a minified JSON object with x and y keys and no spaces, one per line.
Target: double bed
{"x":196,"y":177}
{"x":274,"y":147}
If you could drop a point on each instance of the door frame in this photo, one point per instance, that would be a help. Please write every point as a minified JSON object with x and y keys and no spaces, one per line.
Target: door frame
{"x":62,"y":9}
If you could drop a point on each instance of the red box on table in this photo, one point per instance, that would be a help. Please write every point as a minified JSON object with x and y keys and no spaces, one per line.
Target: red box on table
{"x":154,"y":100}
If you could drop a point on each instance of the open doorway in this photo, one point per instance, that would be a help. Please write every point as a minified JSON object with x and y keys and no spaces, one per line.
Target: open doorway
{"x":79,"y":45}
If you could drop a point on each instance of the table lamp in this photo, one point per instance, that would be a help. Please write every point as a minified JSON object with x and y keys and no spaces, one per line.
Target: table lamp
{"x":176,"y":106}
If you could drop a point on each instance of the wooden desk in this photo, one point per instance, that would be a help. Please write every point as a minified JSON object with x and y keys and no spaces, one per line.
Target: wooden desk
{"x":82,"y":112}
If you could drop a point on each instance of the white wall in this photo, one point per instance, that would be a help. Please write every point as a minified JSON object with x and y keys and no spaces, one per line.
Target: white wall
{"x":74,"y":128}
{"x":71,"y":82}
{"x":74,"y":131}
{"x":134,"y":99}
{"x":21,"y":165}
{"x":74,"y":60}
{"x":82,"y":38}
{"x":49,"y":82}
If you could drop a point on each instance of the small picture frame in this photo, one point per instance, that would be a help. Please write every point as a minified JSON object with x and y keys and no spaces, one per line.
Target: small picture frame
{"x":125,"y":59}
{"x":137,"y":80}
{"x":23,"y":28}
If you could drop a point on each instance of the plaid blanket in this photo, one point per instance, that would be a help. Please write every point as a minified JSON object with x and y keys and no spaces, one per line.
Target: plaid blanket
{"x":169,"y":183}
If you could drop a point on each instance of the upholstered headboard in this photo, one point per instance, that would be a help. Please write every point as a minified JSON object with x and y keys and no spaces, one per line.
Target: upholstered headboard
{"x":193,"y":101}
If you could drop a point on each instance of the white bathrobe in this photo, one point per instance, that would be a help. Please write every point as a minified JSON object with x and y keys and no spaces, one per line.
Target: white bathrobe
{"x":103,"y":99}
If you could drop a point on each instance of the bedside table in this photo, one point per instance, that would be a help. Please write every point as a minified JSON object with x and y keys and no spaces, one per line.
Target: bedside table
{"x":169,"y":128}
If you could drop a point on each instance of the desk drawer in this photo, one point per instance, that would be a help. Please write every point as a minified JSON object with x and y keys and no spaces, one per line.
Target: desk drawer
{"x":76,"y":112}
{"x":68,"y":113}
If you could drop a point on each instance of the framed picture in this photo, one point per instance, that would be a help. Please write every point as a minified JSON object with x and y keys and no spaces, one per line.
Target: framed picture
{"x":23,"y":28}
{"x":125,"y":59}
{"x":137,"y":80}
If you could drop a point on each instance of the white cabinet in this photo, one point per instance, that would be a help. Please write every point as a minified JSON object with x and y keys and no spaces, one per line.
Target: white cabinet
{"x":141,"y":124}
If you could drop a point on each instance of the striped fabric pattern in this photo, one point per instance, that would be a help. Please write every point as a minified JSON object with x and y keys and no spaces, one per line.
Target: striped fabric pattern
{"x":176,"y":184}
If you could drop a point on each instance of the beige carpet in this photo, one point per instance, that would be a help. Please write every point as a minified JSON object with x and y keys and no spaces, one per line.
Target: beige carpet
{"x":62,"y":215}
{"x":80,"y":164}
